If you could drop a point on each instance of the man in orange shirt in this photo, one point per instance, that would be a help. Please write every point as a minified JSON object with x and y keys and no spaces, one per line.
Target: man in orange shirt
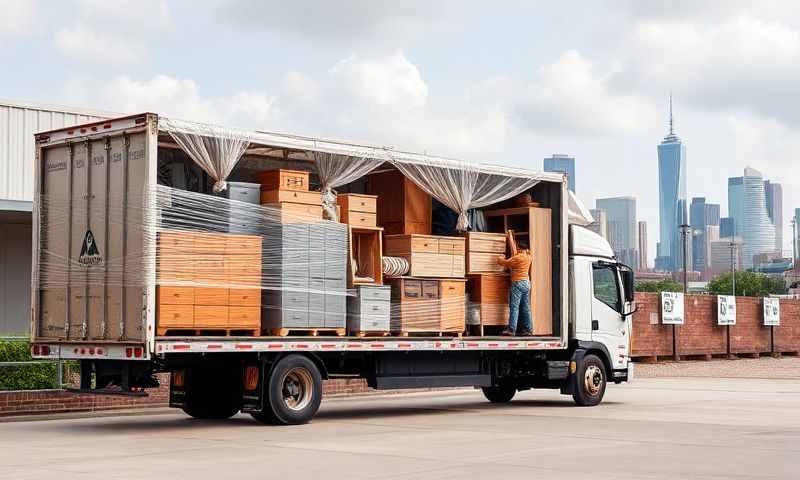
{"x":519,"y":306}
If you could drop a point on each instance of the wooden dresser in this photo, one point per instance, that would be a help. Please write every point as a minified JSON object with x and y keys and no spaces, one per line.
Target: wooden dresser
{"x":405,"y":208}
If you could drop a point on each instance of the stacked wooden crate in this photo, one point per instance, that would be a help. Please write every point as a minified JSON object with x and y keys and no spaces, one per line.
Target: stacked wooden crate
{"x":432,"y":297}
{"x":208,"y":281}
{"x":488,"y":281}
{"x":287,"y":191}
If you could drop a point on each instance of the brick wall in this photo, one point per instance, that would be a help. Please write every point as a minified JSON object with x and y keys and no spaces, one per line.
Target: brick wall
{"x":700,"y":334}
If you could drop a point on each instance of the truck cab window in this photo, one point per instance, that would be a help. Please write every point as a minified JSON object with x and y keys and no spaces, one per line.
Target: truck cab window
{"x":606,"y":287}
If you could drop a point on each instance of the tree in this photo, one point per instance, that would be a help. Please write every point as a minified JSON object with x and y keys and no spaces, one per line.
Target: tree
{"x":750,"y":284}
{"x":660,"y":286}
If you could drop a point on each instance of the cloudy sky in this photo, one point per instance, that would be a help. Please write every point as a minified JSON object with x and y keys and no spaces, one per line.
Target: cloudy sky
{"x":504,"y":82}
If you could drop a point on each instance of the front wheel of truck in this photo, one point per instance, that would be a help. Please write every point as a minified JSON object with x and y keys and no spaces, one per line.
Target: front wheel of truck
{"x":499,"y":394}
{"x":293,"y":392}
{"x":590,"y":381}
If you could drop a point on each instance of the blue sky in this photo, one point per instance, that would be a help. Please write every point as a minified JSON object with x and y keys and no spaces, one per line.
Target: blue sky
{"x":505,"y":82}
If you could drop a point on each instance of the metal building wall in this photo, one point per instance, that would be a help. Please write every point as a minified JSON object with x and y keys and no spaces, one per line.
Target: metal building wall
{"x":18,"y":123}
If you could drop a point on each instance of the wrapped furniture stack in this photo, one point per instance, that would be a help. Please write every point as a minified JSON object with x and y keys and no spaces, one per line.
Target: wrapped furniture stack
{"x":368,"y":311}
{"x":287,"y":191}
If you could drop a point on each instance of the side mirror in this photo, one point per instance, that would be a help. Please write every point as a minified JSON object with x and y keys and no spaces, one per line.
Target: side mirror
{"x":627,"y":283}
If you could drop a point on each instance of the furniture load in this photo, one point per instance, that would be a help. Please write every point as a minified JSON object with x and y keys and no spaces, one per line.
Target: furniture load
{"x":364,"y":256}
{"x":368,"y":310}
{"x":208,"y":281}
{"x":286,"y":191}
{"x":427,"y":305}
{"x":533,"y":224}
{"x":489,"y":292}
{"x":242,"y":219}
{"x":483,"y":248}
{"x":405,"y":208}
{"x":358,"y":210}
{"x":304,"y":277}
{"x":428,"y":255}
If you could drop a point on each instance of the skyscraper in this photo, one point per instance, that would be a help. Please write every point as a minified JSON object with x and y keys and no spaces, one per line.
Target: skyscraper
{"x":600,"y":224}
{"x":701,"y":216}
{"x":671,"y":197}
{"x":747,"y":204}
{"x":727,"y":227}
{"x":621,"y":212}
{"x":796,"y":232}
{"x":563,"y":164}
{"x":642,"y":266}
{"x":774,"y":193}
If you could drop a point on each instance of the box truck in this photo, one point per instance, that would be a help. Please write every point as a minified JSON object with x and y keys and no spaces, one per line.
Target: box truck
{"x":144,"y":262}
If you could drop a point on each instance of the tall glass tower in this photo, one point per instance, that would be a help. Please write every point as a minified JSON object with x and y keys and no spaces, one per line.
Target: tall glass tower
{"x":747,"y":204}
{"x":672,"y":203}
{"x":563,"y":164}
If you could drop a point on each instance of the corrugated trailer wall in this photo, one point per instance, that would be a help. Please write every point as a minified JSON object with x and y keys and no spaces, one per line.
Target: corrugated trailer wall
{"x":18,"y":124}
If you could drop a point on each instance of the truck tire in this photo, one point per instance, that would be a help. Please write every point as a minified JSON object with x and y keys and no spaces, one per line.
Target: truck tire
{"x":293,"y":392}
{"x":499,"y":394}
{"x":590,"y":381}
{"x":213,"y":394}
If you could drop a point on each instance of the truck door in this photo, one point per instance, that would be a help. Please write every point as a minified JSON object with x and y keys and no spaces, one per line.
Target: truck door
{"x":608,"y":323}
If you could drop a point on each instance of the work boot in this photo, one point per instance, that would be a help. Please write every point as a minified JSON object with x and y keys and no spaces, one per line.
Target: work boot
{"x":526,"y":333}
{"x":507,"y":333}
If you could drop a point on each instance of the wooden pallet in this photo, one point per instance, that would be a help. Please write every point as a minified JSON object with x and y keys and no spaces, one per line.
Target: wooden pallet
{"x":413,"y":333}
{"x":210,"y":332}
{"x":359,"y":333}
{"x":307,"y":332}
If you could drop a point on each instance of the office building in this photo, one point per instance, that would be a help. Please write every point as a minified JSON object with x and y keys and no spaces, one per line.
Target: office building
{"x":642,"y":265}
{"x":727,"y":228}
{"x":701,"y":215}
{"x":774,"y":194}
{"x":671,"y":197}
{"x":796,"y":234}
{"x":621,"y":225}
{"x":563,"y":164}
{"x":724,"y":255}
{"x":600,"y":224}
{"x":747,"y":204}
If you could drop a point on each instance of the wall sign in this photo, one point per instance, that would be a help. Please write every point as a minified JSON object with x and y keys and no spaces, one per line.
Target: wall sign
{"x":772,"y":311}
{"x":726,"y":310}
{"x":672,"y":308}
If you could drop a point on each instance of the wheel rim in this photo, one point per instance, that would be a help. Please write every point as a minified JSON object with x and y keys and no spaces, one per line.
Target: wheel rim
{"x":593,"y":379}
{"x":297,"y":388}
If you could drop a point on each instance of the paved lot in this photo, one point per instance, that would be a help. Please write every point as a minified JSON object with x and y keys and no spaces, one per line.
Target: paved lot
{"x":671,"y":428}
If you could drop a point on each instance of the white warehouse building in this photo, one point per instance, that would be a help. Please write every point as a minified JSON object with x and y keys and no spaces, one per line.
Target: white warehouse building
{"x":19,"y":121}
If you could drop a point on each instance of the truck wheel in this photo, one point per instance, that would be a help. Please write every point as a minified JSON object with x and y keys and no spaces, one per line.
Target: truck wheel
{"x":590,"y":381}
{"x":294,"y":392}
{"x":500,"y":394}
{"x":213,"y":394}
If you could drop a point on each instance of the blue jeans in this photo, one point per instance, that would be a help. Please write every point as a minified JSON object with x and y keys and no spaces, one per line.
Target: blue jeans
{"x":519,"y":306}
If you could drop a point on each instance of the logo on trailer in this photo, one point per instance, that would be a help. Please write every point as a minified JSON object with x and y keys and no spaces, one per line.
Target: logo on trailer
{"x":90,"y":255}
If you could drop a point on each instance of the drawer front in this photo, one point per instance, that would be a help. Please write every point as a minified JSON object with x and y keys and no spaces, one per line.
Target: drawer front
{"x":176,"y":242}
{"x":431,"y":265}
{"x":430,"y":289}
{"x":209,"y":270}
{"x":488,"y":246}
{"x":175,"y":295}
{"x":412,"y":289}
{"x":294,"y":318}
{"x":249,"y":245}
{"x":453,"y":289}
{"x":359,"y":203}
{"x":210,"y":316}
{"x":370,"y":323}
{"x":175,"y":269}
{"x":452,"y":246}
{"x":459,"y":266}
{"x":284,"y":179}
{"x":293,"y":212}
{"x":176,"y":316}
{"x":211,"y":296}
{"x":424,"y":244}
{"x":291,"y":196}
{"x":244,"y":317}
{"x":335,"y":320}
{"x":210,"y":243}
{"x":375,"y":307}
{"x":245,"y":297}
{"x":360,"y":219}
{"x":480,"y":262}
{"x":374,"y":293}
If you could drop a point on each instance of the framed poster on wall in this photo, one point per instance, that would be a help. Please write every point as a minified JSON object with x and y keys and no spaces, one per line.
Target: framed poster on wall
{"x":772,"y":311}
{"x":726,"y":310}
{"x":672,"y":308}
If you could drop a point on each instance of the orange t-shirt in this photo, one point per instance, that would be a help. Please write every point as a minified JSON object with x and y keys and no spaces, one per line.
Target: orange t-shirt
{"x":520,"y":265}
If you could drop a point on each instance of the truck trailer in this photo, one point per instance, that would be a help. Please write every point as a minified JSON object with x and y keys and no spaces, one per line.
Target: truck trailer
{"x":114,"y":200}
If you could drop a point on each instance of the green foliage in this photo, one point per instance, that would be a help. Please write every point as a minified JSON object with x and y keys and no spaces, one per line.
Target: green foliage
{"x":750,"y":284}
{"x":660,"y":286}
{"x":28,"y":377}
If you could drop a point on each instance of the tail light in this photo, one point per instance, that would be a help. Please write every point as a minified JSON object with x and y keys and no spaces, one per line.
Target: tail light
{"x":137,"y":352}
{"x":250,"y":378}
{"x":45,"y":350}
{"x":36,"y":350}
{"x":178,"y":378}
{"x":128,"y":352}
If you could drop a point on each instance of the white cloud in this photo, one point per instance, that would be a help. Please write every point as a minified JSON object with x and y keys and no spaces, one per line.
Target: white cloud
{"x":135,"y":13}
{"x":385,"y":82}
{"x":569,"y":96}
{"x":17,"y":17}
{"x":85,"y":44}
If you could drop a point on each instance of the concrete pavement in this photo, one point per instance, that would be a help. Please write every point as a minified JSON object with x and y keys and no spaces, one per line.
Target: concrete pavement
{"x":666,"y":428}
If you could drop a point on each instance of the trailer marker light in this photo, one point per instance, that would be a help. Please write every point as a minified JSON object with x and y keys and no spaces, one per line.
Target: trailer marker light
{"x":83,"y":351}
{"x":45,"y":350}
{"x":91,"y":351}
{"x":107,"y":125}
{"x":36,"y":349}
{"x":573,"y":366}
{"x":137,"y":352}
{"x":275,"y":345}
{"x":178,"y":378}
{"x":129,"y":352}
{"x":99,"y":351}
{"x":250,"y":378}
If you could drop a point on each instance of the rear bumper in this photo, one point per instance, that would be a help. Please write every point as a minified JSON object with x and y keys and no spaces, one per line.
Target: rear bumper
{"x":89,"y":351}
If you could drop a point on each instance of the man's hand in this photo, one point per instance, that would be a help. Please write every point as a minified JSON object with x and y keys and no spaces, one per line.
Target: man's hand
{"x":501,"y":259}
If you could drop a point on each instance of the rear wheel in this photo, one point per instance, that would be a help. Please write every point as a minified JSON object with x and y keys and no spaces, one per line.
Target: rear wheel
{"x":293,"y":392}
{"x":213,"y":393}
{"x":499,"y":394}
{"x":590,"y":381}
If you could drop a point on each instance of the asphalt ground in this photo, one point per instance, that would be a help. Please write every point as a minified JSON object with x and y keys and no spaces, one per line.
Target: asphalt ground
{"x":688,"y":427}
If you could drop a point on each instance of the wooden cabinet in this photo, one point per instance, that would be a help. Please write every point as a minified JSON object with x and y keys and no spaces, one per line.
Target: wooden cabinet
{"x":490,"y":292}
{"x":427,"y":305}
{"x":404,"y":207}
{"x":358,"y":210}
{"x":482,"y":251}
{"x":283,"y":180}
{"x":428,"y":255}
{"x":534,"y":225}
